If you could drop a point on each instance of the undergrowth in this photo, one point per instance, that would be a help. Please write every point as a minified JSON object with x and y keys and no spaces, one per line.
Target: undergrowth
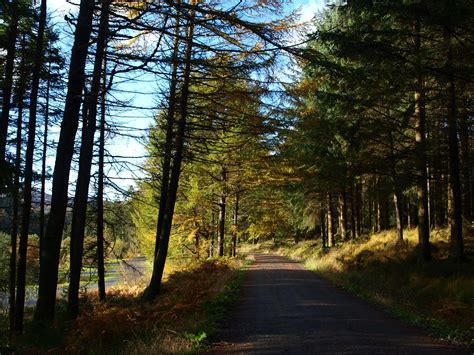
{"x":437,"y":296}
{"x":180,"y":320}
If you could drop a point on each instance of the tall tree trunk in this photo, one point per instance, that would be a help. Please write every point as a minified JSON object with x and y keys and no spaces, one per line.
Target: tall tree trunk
{"x":331,"y":225}
{"x":170,"y":113}
{"x":211,"y":247}
{"x":221,"y":234}
{"x":369,"y":205}
{"x":375,"y":204}
{"x":397,"y":192}
{"x":43,"y":161}
{"x":342,"y":208}
{"x":8,"y":82}
{"x":466,"y":165}
{"x":421,"y":159}
{"x":409,"y":219}
{"x":153,"y":288}
{"x":352,"y":212}
{"x":398,"y":215}
{"x":322,"y":216}
{"x":27,"y":189}
{"x":236,"y":225}
{"x":222,"y":214}
{"x":100,"y":189}
{"x":457,"y":243}
{"x":358,"y":209}
{"x":437,"y":185}
{"x":382,"y":205}
{"x":49,"y":258}
{"x":85,"y":164}
{"x":16,"y":202}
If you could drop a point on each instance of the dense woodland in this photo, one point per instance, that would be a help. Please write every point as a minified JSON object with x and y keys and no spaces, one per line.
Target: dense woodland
{"x":263,"y":128}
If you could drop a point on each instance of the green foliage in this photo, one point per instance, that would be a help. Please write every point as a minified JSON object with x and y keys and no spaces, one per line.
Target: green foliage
{"x":197,"y":339}
{"x":4,"y":261}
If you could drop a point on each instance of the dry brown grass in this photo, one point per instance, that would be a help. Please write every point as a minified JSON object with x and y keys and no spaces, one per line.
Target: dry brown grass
{"x":125,"y":324}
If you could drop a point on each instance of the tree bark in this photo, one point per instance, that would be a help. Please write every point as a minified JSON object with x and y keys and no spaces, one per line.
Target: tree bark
{"x":43,"y":161}
{"x":100,"y":189}
{"x":236,"y":225}
{"x":421,"y":159}
{"x":466,"y":165}
{"x":322,"y":216}
{"x":165,"y":175}
{"x":358,"y":209}
{"x":456,"y":242}
{"x":49,"y":258}
{"x":15,"y":200}
{"x":352,"y":208}
{"x":398,"y":215}
{"x":222,"y":215}
{"x":27,"y":186}
{"x":382,"y":204}
{"x":397,"y":192}
{"x":343,"y":214}
{"x":331,"y":225}
{"x":85,"y":164}
{"x":8,"y":81}
{"x":153,"y":288}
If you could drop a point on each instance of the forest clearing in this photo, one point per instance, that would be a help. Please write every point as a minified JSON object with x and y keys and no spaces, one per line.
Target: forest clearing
{"x":172,"y":167}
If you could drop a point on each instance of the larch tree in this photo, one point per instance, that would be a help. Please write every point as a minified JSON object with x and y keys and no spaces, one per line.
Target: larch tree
{"x":49,"y":258}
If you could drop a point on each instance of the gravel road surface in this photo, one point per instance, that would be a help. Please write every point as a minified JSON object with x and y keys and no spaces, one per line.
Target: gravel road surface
{"x":286,"y":309}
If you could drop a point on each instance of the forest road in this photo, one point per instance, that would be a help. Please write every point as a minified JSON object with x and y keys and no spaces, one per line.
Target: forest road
{"x":286,"y":309}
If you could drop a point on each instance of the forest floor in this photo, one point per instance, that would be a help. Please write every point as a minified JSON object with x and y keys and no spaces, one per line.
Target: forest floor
{"x":184,"y":315}
{"x":437,"y":296}
{"x":286,"y":309}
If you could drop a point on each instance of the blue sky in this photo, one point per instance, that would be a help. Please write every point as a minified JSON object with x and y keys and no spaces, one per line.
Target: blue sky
{"x":143,"y":118}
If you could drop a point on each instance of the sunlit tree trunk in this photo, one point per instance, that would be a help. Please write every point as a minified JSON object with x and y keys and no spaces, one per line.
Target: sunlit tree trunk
{"x":421,"y":160}
{"x":159,"y":263}
{"x":397,"y":192}
{"x":165,"y":173}
{"x":331,"y":225}
{"x":342,"y":208}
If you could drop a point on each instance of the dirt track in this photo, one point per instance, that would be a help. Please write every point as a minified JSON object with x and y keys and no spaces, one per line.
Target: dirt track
{"x":285,"y":308}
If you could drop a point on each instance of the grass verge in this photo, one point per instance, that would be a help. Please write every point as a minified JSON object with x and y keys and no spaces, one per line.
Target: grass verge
{"x":437,"y":296}
{"x":180,"y":320}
